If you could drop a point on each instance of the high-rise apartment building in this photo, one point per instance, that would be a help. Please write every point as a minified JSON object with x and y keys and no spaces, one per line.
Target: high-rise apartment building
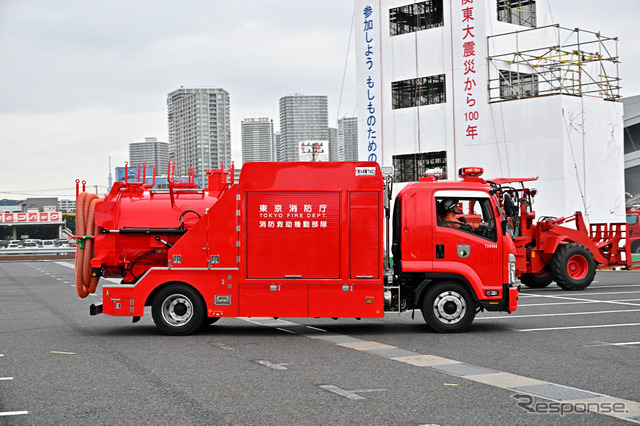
{"x":151,"y":152}
{"x":302,"y":119}
{"x":348,"y":138}
{"x":276,"y":145}
{"x":257,"y":139}
{"x":199,"y":129}
{"x":335,"y":151}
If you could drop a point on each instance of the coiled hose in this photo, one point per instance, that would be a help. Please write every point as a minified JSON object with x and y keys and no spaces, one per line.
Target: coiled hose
{"x":85,"y":227}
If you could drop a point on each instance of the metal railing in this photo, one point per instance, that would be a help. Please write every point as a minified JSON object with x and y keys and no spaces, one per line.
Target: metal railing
{"x":36,"y":251}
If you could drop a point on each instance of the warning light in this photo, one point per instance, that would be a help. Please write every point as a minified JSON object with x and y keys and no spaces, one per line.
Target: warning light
{"x":436,"y":173}
{"x":470,"y":172}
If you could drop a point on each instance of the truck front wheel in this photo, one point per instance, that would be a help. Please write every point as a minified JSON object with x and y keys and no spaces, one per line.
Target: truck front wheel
{"x":177,"y":310}
{"x":448,"y":307}
{"x":573,"y":267}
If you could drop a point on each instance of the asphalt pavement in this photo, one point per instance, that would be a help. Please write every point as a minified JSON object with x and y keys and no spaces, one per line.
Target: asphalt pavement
{"x":562,"y":358}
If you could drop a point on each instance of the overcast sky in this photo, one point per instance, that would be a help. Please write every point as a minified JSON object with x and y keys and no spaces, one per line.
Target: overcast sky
{"x":80,"y":80}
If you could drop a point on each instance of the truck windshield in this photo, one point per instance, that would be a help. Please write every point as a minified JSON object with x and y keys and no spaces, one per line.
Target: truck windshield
{"x":472,"y":215}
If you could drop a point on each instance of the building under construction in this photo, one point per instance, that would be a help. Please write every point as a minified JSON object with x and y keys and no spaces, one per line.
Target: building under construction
{"x":493,"y":83}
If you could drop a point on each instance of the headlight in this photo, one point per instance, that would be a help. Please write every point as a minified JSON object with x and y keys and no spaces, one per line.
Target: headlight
{"x":512,"y":268}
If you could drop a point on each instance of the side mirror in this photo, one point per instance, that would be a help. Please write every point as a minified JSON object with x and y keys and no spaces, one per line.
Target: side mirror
{"x":507,"y":228}
{"x":509,"y":207}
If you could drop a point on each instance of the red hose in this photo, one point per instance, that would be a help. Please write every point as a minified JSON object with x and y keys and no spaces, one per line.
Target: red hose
{"x":85,"y":225}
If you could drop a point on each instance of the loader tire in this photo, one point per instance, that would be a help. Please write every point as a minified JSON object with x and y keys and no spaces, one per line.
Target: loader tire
{"x":573,"y":267}
{"x":178,"y":310}
{"x":539,"y":280}
{"x":448,"y":307}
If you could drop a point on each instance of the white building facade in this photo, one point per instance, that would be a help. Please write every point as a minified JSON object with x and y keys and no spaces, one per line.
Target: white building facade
{"x":491,"y":83}
{"x":150,"y":152}
{"x":348,"y":138}
{"x":199,"y":129}
{"x":303,"y":118}
{"x":257,"y":139}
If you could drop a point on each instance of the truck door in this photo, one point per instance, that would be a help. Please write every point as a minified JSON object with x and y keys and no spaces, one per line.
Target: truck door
{"x":413,"y":232}
{"x":466,"y":232}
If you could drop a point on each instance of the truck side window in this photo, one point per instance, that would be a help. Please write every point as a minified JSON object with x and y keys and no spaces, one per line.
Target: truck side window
{"x":471,"y":215}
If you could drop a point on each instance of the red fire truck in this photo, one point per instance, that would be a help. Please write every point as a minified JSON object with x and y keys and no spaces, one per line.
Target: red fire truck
{"x":296,"y":240}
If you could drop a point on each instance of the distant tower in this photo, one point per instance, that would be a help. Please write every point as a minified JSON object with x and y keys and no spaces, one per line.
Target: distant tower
{"x":257,"y":139}
{"x":199,"y":129}
{"x":151,"y":152}
{"x":302,"y":119}
{"x":276,"y":147}
{"x":335,"y":151}
{"x":348,"y":138}
{"x":110,"y":175}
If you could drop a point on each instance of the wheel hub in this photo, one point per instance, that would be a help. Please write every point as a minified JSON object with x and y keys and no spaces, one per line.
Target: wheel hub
{"x":577,"y":267}
{"x":450,"y":307}
{"x":177,"y":310}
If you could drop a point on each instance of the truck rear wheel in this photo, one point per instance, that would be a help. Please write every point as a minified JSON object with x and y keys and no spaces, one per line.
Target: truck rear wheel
{"x":177,"y":310}
{"x":635,"y":247}
{"x":539,"y":280}
{"x":448,"y":307}
{"x":573,"y":267}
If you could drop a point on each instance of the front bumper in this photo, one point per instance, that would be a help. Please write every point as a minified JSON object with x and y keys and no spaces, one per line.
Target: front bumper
{"x":508,"y":303}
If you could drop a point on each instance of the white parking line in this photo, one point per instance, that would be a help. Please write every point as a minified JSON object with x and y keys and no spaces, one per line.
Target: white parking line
{"x":612,"y":344}
{"x":572,"y":303}
{"x":13,"y":413}
{"x":560,"y":314}
{"x":577,"y":327}
{"x":586,"y":294}
{"x":575,"y":299}
{"x":6,"y":378}
{"x":615,"y":286}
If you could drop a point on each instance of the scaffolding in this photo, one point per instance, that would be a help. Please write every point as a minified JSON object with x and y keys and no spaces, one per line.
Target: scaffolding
{"x":572,"y":62}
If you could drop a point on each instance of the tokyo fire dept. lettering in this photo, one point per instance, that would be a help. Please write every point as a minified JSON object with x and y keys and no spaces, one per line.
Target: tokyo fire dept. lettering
{"x":293,"y":216}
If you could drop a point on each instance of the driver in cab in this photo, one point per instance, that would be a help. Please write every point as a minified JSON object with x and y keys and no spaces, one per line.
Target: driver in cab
{"x":448,"y":211}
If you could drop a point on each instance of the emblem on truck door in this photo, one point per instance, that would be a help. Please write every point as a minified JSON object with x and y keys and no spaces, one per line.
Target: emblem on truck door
{"x":464,"y":250}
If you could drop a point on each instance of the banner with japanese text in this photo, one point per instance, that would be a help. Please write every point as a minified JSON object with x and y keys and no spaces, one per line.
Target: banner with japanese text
{"x":368,"y":63}
{"x":468,"y":47}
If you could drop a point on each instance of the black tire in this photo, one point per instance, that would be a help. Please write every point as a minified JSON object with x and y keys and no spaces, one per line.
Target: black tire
{"x":210,"y":320}
{"x":539,"y":280}
{"x":448,"y":307}
{"x":573,"y":267}
{"x":177,"y":310}
{"x":635,"y":247}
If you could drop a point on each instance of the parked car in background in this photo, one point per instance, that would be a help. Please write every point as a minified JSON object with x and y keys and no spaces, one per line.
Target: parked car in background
{"x":48,"y":243}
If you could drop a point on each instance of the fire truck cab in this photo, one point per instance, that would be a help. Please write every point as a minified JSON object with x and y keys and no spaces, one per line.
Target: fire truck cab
{"x":452,"y":252}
